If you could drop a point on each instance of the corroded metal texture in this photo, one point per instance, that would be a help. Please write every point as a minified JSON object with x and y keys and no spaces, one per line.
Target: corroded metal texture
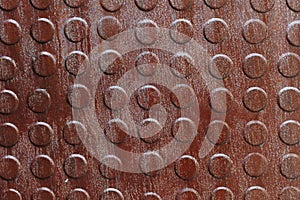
{"x":253,"y":50}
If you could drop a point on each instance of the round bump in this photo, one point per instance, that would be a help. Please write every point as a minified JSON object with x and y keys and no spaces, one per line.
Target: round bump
{"x":76,"y":29}
{"x":255,"y":164}
{"x":41,"y":4}
{"x":110,"y":62}
{"x":39,"y":101}
{"x":221,"y":106}
{"x":221,"y":193}
{"x":109,"y":27}
{"x":151,"y":196}
{"x":44,"y":64}
{"x":75,"y":166}
{"x":289,"y":65}
{"x":218,"y":138}
{"x":290,"y":132}
{"x":187,"y":194}
{"x":78,"y":194}
{"x":255,"y":99}
{"x":112,"y":193}
{"x":216,"y":30}
{"x":8,"y":68}
{"x":148,"y":96}
{"x":262,"y":6}
{"x":9,"y":135}
{"x":108,"y":166}
{"x":256,"y":193}
{"x":182,"y":96}
{"x":112,"y":6}
{"x":42,"y":167}
{"x":293,"y":5}
{"x":289,"y":99}
{"x":116,"y":98}
{"x":255,"y":133}
{"x":254,"y":26}
{"x":9,"y":5}
{"x":116,"y":131}
{"x":215,"y":4}
{"x":75,"y":3}
{"x":290,"y":166}
{"x":146,"y":32}
{"x":146,"y":63}
{"x":184,"y":130}
{"x":255,"y":65}
{"x":182,"y":31}
{"x":76,"y":63}
{"x":9,"y":102}
{"x":293,"y":33}
{"x":71,"y":130}
{"x":221,"y":66}
{"x":43,"y":30}
{"x":79,"y":96}
{"x":220,"y":166}
{"x":9,"y":167}
{"x":181,"y":4}
{"x":149,"y":130}
{"x":11,"y":32}
{"x":182,"y":65}
{"x":289,"y":193}
{"x":146,"y":5}
{"x":12,"y":194}
{"x":40,"y":134}
{"x":149,"y":161}
{"x":43,"y":193}
{"x":186,"y":167}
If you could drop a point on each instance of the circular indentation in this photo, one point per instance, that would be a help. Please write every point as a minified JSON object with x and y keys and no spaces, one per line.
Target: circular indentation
{"x":44,"y":64}
{"x":112,"y":6}
{"x":78,"y":194}
{"x":289,"y":65}
{"x":182,"y":65}
{"x":220,"y":165}
{"x":116,"y":131}
{"x":9,"y":102}
{"x":110,"y":62}
{"x":8,"y":68}
{"x":43,"y":193}
{"x":149,"y":130}
{"x":215,"y":4}
{"x":294,"y":5}
{"x":76,"y":29}
{"x":289,"y":193}
{"x":186,"y":167}
{"x":43,"y":30}
{"x":289,"y":99}
{"x":146,"y":63}
{"x":221,"y":66}
{"x":182,"y":31}
{"x":41,"y":4}
{"x":112,"y":193}
{"x":146,"y":32}
{"x":255,"y":133}
{"x":216,"y":102}
{"x":151,"y":196}
{"x":109,"y":27}
{"x":187,"y":194}
{"x":290,"y":166}
{"x":293,"y":33}
{"x":255,"y":99}
{"x":221,"y":193}
{"x":255,"y":65}
{"x":256,"y":193}
{"x":149,"y":161}
{"x":12,"y":194}
{"x":290,"y":132}
{"x":181,"y":4}
{"x":146,"y":5}
{"x":71,"y":132}
{"x":76,"y":63}
{"x":9,"y":5}
{"x":216,"y":30}
{"x":75,"y":3}
{"x":9,"y":135}
{"x":11,"y":31}
{"x":262,"y":6}
{"x":79,"y":96}
{"x":218,"y":138}
{"x":116,"y":98}
{"x":108,"y":166}
{"x":255,"y":31}
{"x":184,"y":130}
{"x":182,"y":96}
{"x":39,"y":101}
{"x":9,"y":167}
{"x":40,"y":134}
{"x":42,"y":167}
{"x":148,"y":96}
{"x":75,"y":166}
{"x":255,"y":164}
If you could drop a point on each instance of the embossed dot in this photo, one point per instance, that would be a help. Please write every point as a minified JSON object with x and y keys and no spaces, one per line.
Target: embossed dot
{"x":75,"y":3}
{"x":8,"y":68}
{"x":256,"y":193}
{"x":289,"y":193}
{"x":290,"y":166}
{"x":187,"y":194}
{"x":76,"y":63}
{"x":289,"y":65}
{"x":255,"y":133}
{"x":262,"y":6}
{"x":183,"y":96}
{"x":76,"y":29}
{"x":151,"y":196}
{"x":290,"y":132}
{"x":184,"y":129}
{"x":216,"y":30}
{"x":215,"y":4}
{"x":41,"y":4}
{"x":255,"y":99}
{"x":294,"y":5}
{"x":9,"y":102}
{"x":12,"y":194}
{"x":40,"y":134}
{"x":222,"y":193}
{"x":182,"y":65}
{"x":75,"y":166}
{"x":255,"y":31}
{"x":11,"y":32}
{"x":116,"y":98}
{"x":186,"y":167}
{"x":112,"y":6}
{"x":289,"y":99}
{"x":148,"y":95}
{"x":116,"y":131}
{"x":255,"y":164}
{"x":255,"y":65}
{"x":9,"y":135}
{"x":221,"y":100}
{"x":43,"y":30}
{"x":293,"y":33}
{"x":79,"y":96}
{"x":109,"y":27}
{"x":182,"y":31}
{"x":218,"y":132}
{"x":78,"y":194}
{"x":181,"y":4}
{"x":9,"y":5}
{"x":112,"y":193}
{"x":149,"y":130}
{"x":42,"y":167}
{"x":220,"y":166}
{"x":39,"y":101}
{"x":110,"y":62}
{"x":43,"y":193}
{"x":44,"y":64}
{"x":146,"y":63}
{"x":71,"y":132}
{"x":150,"y":163}
{"x":9,"y":167}
{"x":221,"y":66}
{"x":147,"y":32}
{"x":109,"y":167}
{"x":146,"y":5}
